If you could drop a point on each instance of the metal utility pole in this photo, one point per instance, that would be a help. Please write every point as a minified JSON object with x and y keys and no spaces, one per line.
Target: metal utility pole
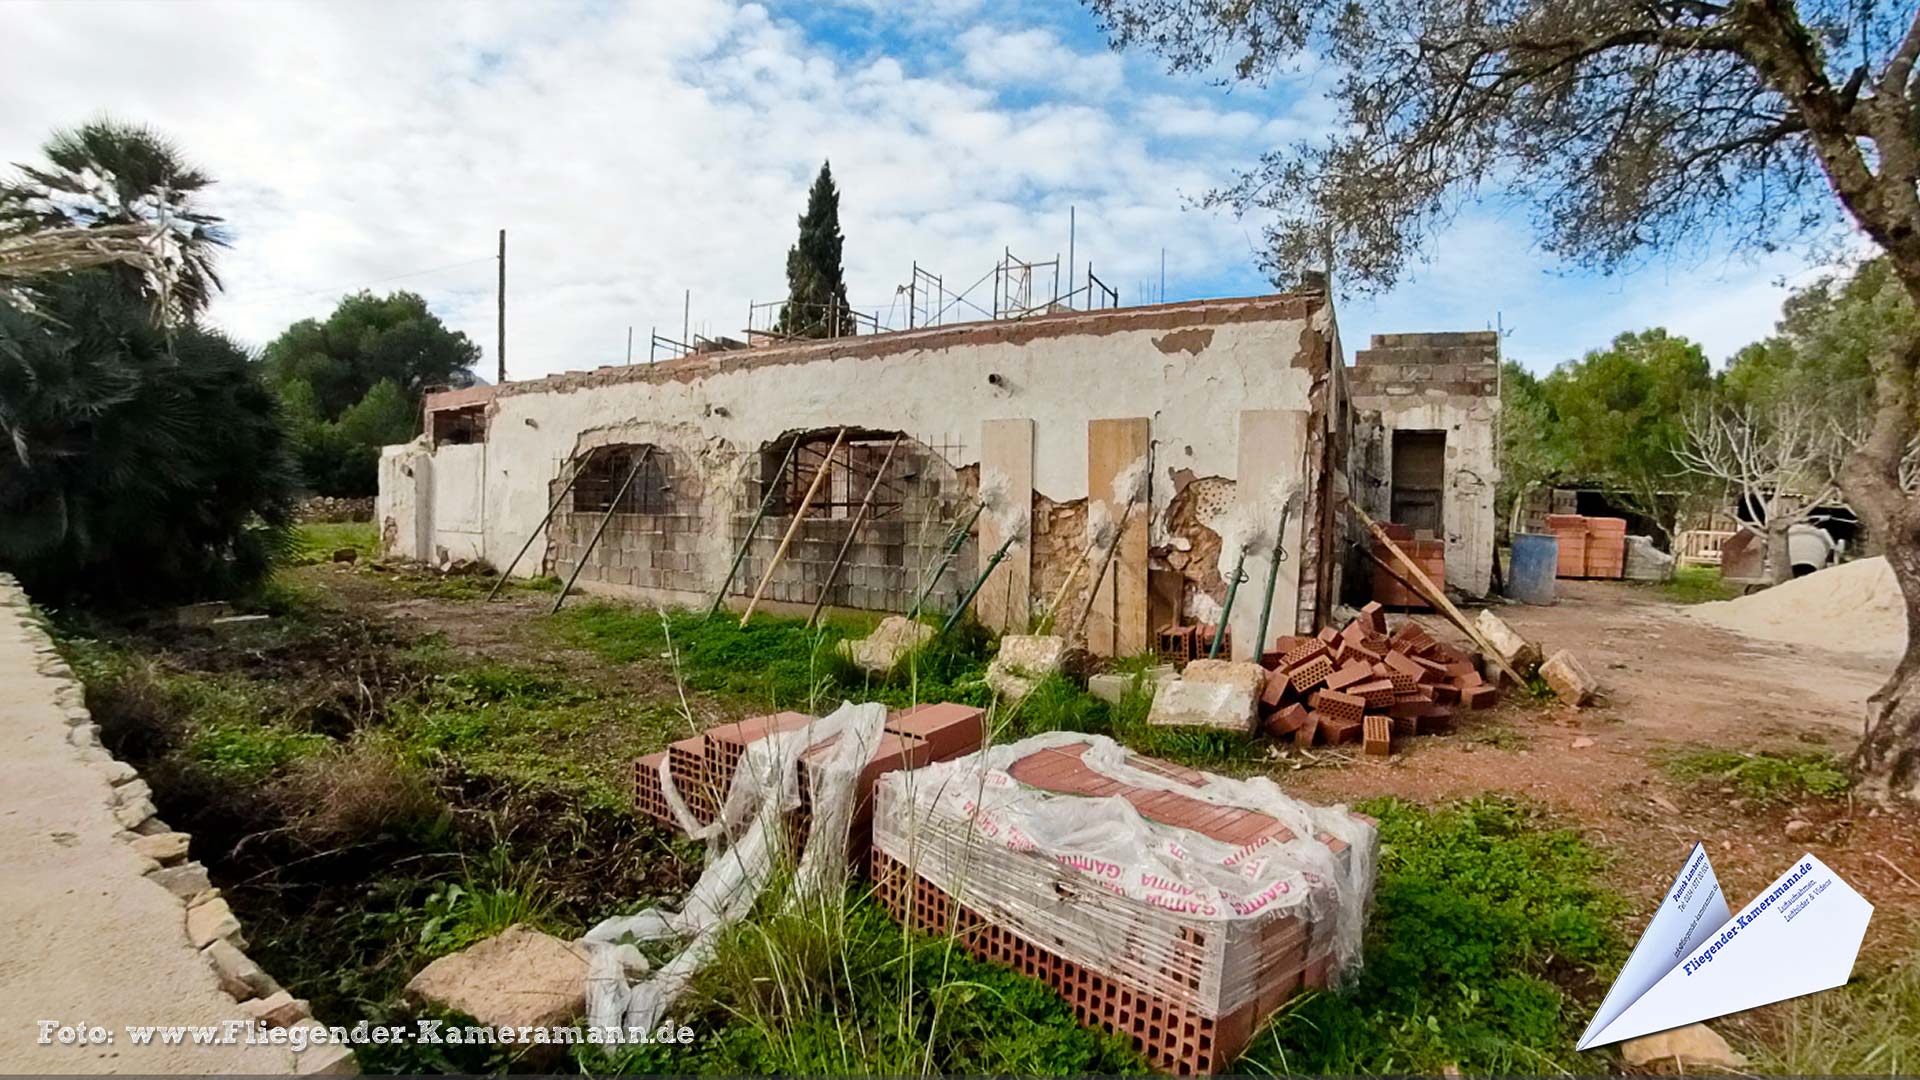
{"x":686,"y":323}
{"x":629,"y":344}
{"x":1163,"y":275}
{"x":500,"y":351}
{"x":1070,"y":230}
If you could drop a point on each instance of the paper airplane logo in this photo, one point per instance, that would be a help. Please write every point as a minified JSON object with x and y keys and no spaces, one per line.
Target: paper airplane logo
{"x":1697,"y":960}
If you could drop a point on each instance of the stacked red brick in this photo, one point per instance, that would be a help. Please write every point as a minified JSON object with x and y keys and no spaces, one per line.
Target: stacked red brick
{"x":1590,"y":547}
{"x":1428,"y":553}
{"x":703,"y":766}
{"x":1187,"y":983}
{"x":1324,"y":688}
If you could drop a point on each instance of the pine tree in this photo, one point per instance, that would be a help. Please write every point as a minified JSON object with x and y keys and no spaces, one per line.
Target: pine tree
{"x":816,"y":284}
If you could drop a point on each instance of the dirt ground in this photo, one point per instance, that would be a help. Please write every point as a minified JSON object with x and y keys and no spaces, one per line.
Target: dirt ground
{"x":1669,"y":684}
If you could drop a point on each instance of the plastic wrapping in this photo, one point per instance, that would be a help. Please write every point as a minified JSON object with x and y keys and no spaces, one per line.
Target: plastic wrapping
{"x":1173,"y":912}
{"x":745,"y":843}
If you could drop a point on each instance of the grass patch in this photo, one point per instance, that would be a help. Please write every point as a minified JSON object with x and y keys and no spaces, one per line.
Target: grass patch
{"x":1870,"y":1027}
{"x":1765,"y":776}
{"x":840,"y":988}
{"x":1697,"y":585}
{"x":1487,"y":929}
{"x":315,"y":542}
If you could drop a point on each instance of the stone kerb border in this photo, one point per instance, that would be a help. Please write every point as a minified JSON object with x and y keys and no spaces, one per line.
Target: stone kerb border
{"x":207,"y":922}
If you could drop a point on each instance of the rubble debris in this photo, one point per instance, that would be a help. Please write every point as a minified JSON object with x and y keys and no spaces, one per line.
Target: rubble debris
{"x":1329,"y":687}
{"x":1112,"y":686}
{"x":1569,"y":678}
{"x":879,"y":652}
{"x":1023,"y":661}
{"x":240,"y":626}
{"x":1225,"y":912}
{"x":519,"y":977}
{"x":202,"y":613}
{"x":1695,"y":1046}
{"x":1182,"y":703}
{"x":1519,"y":653}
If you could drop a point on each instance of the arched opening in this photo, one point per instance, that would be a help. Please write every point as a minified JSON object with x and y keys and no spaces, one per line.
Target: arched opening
{"x":603,"y":483}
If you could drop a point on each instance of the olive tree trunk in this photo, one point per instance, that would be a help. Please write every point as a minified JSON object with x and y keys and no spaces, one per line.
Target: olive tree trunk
{"x":1887,"y":764}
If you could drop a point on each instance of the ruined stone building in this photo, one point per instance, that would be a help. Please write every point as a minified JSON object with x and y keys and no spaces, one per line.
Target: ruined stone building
{"x":1227,"y":405}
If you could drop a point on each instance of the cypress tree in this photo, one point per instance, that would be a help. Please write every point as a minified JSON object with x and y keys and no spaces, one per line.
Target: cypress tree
{"x":816,"y":284}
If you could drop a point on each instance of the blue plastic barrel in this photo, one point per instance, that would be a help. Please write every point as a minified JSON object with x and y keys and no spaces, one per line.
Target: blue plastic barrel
{"x":1535,"y":563}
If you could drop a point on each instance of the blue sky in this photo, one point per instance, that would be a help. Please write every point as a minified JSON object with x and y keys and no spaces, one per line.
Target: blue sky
{"x":636,"y":151}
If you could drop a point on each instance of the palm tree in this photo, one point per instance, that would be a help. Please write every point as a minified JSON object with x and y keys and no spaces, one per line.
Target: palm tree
{"x":127,"y":180}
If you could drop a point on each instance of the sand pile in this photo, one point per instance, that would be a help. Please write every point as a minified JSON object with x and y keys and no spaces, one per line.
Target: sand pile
{"x":1853,"y":607}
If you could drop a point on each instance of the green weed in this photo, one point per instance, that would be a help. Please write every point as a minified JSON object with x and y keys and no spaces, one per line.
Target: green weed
{"x":1764,"y":776}
{"x":1697,"y":585}
{"x":832,"y":988}
{"x":315,"y":542}
{"x":1483,"y":922}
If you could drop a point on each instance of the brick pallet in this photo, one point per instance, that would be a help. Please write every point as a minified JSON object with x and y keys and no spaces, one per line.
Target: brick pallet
{"x":1426,"y":552}
{"x":1186,"y":981}
{"x":1328,"y":688}
{"x":1590,"y":547}
{"x":703,"y":766}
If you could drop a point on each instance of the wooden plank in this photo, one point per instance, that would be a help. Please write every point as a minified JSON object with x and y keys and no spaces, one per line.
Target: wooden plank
{"x":1006,"y":464}
{"x":1118,"y":624}
{"x":1273,"y":449}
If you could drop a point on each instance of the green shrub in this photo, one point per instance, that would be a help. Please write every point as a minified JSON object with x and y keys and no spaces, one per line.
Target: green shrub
{"x":1481,"y":920}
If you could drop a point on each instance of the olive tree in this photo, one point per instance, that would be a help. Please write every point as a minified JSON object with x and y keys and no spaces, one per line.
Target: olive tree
{"x":1628,"y":126}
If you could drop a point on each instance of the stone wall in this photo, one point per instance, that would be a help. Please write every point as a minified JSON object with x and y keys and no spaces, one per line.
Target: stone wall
{"x":202,"y":920}
{"x":1447,"y":382}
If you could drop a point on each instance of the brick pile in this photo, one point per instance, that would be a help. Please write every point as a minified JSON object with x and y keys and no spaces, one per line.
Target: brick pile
{"x":1333,"y":687}
{"x":1178,"y":644}
{"x":703,"y":766}
{"x":1590,"y":547}
{"x":1186,"y":975}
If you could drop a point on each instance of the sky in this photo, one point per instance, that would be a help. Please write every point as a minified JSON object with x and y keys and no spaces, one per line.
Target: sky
{"x":638,"y":153}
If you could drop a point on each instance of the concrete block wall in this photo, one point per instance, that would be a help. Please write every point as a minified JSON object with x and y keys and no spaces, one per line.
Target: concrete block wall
{"x":1446,"y":382}
{"x":890,"y":557}
{"x":656,"y":551}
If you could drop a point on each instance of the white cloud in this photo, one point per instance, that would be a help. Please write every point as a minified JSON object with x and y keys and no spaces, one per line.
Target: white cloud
{"x":636,"y":150}
{"x":1037,"y":58}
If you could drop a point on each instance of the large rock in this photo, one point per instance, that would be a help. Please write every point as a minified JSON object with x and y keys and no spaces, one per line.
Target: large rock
{"x":1024,"y":660}
{"x":1519,"y":653}
{"x":1233,"y":706}
{"x":890,"y":642}
{"x":519,"y":976}
{"x":1695,"y":1046}
{"x":1569,"y":679}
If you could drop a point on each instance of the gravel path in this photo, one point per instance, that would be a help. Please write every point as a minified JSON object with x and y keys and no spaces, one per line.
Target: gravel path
{"x":84,"y":938}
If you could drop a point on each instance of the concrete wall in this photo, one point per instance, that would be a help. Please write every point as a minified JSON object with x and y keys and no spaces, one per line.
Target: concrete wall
{"x":1435,"y":382}
{"x":1190,"y":368}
